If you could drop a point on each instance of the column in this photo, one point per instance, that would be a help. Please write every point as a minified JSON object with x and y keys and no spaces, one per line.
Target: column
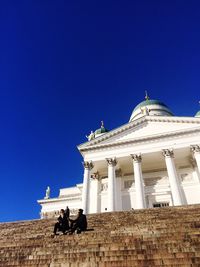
{"x":173,"y":177}
{"x":139,"y":186}
{"x":118,"y":197}
{"x":86,"y":184}
{"x":111,"y":184}
{"x":95,"y":192}
{"x":196,"y":152}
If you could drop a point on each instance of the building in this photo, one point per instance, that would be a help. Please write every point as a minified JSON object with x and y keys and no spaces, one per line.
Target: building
{"x":151,"y":161}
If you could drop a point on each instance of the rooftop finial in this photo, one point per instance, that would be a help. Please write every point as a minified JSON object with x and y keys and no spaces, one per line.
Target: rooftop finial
{"x":102,"y":124}
{"x":146,"y":95}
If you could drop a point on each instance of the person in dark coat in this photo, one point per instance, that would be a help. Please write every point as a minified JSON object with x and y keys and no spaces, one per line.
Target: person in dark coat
{"x":79,"y":224}
{"x":62,"y":224}
{"x":67,"y":212}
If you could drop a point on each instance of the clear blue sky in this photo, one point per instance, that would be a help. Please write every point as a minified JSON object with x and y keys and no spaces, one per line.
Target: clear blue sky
{"x":67,"y":65}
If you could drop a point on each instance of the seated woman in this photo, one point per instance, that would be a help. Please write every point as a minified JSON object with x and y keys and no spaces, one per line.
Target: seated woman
{"x":62,"y":224}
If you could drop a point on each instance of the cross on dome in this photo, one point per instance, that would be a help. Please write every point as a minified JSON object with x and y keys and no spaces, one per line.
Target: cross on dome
{"x":146,"y":95}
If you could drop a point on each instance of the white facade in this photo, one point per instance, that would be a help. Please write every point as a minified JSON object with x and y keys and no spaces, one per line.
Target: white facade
{"x":153,"y":160}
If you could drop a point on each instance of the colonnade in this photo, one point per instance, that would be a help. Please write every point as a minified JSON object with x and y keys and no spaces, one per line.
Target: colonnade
{"x":138,"y":177}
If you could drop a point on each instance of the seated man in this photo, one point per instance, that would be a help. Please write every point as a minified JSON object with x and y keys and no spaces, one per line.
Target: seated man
{"x":62,"y":224}
{"x":79,"y":224}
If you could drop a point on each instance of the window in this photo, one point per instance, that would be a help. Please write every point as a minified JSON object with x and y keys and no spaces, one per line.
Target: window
{"x":160,"y":205}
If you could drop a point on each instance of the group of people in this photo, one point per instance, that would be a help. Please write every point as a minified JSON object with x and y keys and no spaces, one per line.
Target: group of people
{"x":70,"y":226}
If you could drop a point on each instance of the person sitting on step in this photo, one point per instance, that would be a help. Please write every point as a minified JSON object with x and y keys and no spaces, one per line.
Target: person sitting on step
{"x":62,"y":224}
{"x":79,"y":224}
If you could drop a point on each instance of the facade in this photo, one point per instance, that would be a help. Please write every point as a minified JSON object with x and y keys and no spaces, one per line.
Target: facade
{"x":151,"y":161}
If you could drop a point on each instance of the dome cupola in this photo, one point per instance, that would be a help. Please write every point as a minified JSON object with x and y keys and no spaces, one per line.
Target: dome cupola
{"x":97,"y":133}
{"x":101,"y":130}
{"x":150,"y":107}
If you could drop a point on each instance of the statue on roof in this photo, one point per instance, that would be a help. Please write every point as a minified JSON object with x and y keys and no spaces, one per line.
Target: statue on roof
{"x":145,"y":111}
{"x":91,"y":136}
{"x":48,"y":190}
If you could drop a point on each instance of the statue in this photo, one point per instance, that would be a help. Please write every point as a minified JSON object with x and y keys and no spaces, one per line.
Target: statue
{"x":91,"y":136}
{"x":145,"y":111}
{"x":47,"y":193}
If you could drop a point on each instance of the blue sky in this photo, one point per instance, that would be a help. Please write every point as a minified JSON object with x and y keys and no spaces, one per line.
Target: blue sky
{"x":67,"y":65}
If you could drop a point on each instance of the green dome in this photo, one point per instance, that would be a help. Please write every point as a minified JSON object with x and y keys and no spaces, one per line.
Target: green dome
{"x":149,"y":102}
{"x":197,"y":114}
{"x":150,"y":107}
{"x":101,"y":130}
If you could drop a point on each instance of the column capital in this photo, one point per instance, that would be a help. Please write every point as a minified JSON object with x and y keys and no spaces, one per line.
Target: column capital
{"x":88,"y":165}
{"x":136,"y":157}
{"x":112,"y":161}
{"x":195,"y":148}
{"x":168,"y":153}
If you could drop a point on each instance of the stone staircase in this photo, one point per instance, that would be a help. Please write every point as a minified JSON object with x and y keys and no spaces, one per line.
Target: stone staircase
{"x":153,"y":237}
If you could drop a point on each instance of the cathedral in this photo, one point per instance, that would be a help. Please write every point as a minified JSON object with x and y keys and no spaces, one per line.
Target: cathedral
{"x":151,"y":161}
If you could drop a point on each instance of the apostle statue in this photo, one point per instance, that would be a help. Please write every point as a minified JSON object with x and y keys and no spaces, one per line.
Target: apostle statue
{"x":47,"y":193}
{"x":91,"y":136}
{"x":145,"y":111}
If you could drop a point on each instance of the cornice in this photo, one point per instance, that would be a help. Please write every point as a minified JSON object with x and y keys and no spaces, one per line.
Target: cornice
{"x":59,"y":199}
{"x":146,"y":139}
{"x":93,"y":143}
{"x":112,"y":133}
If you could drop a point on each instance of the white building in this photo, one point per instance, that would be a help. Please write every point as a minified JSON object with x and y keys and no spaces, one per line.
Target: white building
{"x":151,"y":161}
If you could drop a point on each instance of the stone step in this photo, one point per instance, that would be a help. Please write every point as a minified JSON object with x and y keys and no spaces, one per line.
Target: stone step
{"x":153,"y":237}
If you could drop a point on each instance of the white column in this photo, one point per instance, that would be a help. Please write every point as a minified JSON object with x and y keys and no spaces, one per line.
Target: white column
{"x":139,"y":186}
{"x":173,"y":177}
{"x":86,"y":185}
{"x":196,"y":152}
{"x":111,"y":184}
{"x":95,"y":201}
{"x":118,"y":197}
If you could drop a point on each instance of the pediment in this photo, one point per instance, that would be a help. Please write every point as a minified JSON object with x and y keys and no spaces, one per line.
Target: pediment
{"x":146,"y":127}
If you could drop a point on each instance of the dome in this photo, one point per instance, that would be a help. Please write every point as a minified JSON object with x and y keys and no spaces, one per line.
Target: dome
{"x":149,"y":102}
{"x":197,"y":114}
{"x":97,"y":133}
{"x":150,"y":107}
{"x":101,"y":130}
